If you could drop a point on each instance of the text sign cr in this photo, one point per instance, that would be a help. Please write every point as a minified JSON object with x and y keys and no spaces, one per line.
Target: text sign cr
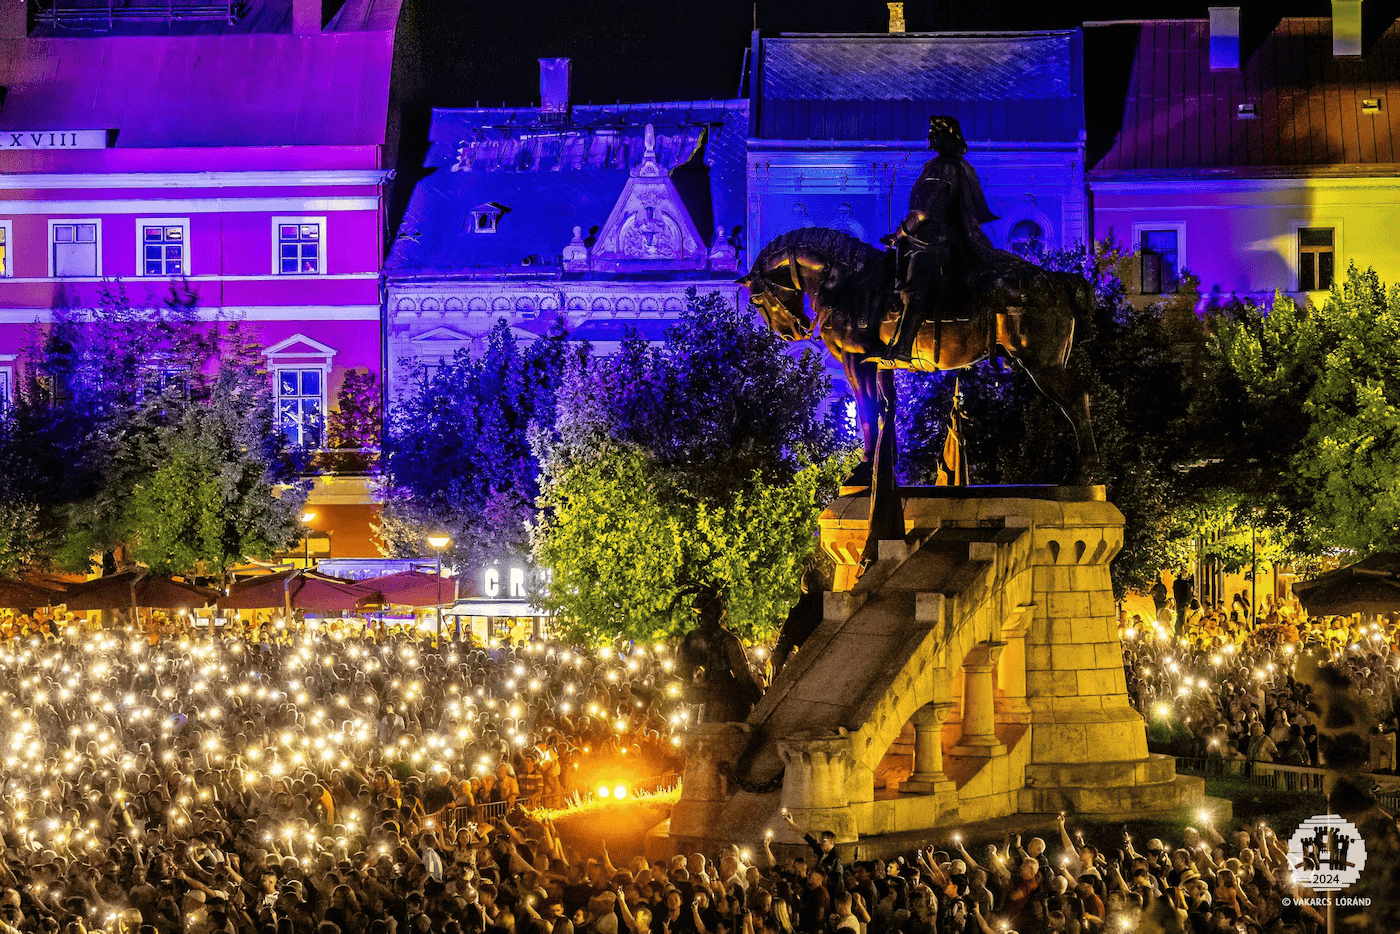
{"x":53,"y":139}
{"x":491,"y":582}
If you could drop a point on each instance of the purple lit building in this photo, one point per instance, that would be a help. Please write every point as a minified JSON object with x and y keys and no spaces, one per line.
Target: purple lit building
{"x":839,"y":130}
{"x":594,"y":217}
{"x":1260,"y":155}
{"x":242,"y":146}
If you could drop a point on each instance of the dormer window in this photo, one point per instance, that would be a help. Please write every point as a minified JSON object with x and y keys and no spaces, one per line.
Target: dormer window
{"x":487,"y":217}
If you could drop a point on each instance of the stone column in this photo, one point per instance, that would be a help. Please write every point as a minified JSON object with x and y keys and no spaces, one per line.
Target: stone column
{"x":928,"y":777}
{"x":979,"y":721}
{"x":1012,"y":706}
{"x":814,"y":783}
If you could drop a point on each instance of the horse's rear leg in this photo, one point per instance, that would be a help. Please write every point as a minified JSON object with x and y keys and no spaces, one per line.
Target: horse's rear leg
{"x":1064,"y":389}
{"x":864,"y":380}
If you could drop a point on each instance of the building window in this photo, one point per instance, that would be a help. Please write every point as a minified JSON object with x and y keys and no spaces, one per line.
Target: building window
{"x":1158,"y":251}
{"x":487,"y":217}
{"x":1027,"y":240}
{"x":74,"y":247}
{"x":301,"y":405}
{"x":6,"y":269}
{"x":299,"y":248}
{"x":1317,"y":258}
{"x":164,"y":247}
{"x":158,"y":380}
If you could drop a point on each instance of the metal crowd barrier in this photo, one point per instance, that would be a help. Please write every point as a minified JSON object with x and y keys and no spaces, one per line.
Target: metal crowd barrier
{"x":1295,"y":778}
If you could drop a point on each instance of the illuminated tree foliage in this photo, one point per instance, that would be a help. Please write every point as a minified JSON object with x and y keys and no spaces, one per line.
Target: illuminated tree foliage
{"x":115,"y":398}
{"x":354,"y":426}
{"x":457,"y":453}
{"x":698,"y":465}
{"x":211,"y":499}
{"x":1305,"y":422}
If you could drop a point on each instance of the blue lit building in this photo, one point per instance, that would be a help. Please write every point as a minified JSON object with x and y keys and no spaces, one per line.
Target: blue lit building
{"x":596,"y":217}
{"x":839,"y":129}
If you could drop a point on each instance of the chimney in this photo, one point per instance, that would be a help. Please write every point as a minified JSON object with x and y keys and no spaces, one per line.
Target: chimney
{"x":896,"y":17}
{"x":14,"y":19}
{"x":554,"y":89}
{"x":1346,"y":27}
{"x":1224,"y":37}
{"x":306,"y":17}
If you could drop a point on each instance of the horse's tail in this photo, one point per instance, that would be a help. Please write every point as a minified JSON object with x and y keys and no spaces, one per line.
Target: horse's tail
{"x":1079,"y":292}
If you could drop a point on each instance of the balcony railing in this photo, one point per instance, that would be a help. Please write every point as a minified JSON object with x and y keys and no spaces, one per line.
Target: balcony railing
{"x":108,"y":13}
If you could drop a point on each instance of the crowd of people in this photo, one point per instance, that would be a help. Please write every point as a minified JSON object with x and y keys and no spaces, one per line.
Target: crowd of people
{"x":1222,"y":688}
{"x":334,"y":779}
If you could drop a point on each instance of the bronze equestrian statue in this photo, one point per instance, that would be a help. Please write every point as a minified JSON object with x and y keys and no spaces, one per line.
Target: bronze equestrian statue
{"x":983,"y":301}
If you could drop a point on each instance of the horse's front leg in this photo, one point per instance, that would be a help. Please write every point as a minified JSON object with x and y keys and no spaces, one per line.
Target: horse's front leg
{"x":864,"y":380}
{"x":886,"y":505}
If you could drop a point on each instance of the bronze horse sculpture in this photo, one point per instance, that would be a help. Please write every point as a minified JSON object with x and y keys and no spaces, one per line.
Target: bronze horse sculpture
{"x":1007,"y":306}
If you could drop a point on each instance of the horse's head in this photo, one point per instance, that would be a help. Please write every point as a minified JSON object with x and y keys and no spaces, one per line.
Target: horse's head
{"x":780,"y":304}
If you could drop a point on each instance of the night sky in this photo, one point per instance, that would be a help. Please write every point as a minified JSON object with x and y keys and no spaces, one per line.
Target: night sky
{"x":693,"y":49}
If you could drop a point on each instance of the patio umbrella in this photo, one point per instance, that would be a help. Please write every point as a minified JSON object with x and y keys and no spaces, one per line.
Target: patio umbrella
{"x":413,"y":588}
{"x":136,"y":588}
{"x":21,"y":595}
{"x":1371,"y":587}
{"x":298,"y":590}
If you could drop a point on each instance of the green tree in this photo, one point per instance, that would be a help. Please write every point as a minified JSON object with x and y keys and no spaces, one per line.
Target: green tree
{"x":216,"y":495}
{"x":112,"y":397}
{"x":1306,"y":416}
{"x":698,"y":465}
{"x":354,"y":426}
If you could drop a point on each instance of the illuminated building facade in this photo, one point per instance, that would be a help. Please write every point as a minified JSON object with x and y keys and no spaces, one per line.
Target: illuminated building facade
{"x":1258,"y":161}
{"x":596,"y":218}
{"x":839,"y":130}
{"x":243,"y":148}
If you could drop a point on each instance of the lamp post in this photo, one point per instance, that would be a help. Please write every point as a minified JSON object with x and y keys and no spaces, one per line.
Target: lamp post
{"x":306,"y":519}
{"x":438,"y":541}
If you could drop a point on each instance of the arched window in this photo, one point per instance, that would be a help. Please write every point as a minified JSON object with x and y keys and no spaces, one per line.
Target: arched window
{"x":1026,"y":240}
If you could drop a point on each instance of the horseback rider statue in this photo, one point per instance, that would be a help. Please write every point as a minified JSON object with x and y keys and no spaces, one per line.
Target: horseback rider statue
{"x":940,"y":241}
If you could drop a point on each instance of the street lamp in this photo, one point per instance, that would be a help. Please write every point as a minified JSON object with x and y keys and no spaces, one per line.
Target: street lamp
{"x":438,"y":541}
{"x":307,"y":518}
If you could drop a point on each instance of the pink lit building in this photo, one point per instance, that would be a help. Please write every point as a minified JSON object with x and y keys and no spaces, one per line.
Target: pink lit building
{"x":243,"y":146}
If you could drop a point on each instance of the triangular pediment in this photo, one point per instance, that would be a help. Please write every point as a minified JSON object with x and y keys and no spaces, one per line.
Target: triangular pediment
{"x":442,"y":335}
{"x":299,"y":345}
{"x":649,"y":227}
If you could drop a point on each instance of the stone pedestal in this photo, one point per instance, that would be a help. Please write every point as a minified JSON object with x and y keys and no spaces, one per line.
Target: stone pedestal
{"x":1059,"y":674}
{"x":706,"y":790}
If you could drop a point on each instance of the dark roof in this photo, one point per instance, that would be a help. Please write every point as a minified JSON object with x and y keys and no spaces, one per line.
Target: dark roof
{"x":1010,"y":86}
{"x":1178,"y":114}
{"x":216,"y":88}
{"x":552,"y":177}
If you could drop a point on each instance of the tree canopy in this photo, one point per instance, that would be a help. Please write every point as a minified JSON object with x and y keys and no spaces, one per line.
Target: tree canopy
{"x":700,"y":465}
{"x":457,"y":449}
{"x":1303,"y":424}
{"x":144,"y":431}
